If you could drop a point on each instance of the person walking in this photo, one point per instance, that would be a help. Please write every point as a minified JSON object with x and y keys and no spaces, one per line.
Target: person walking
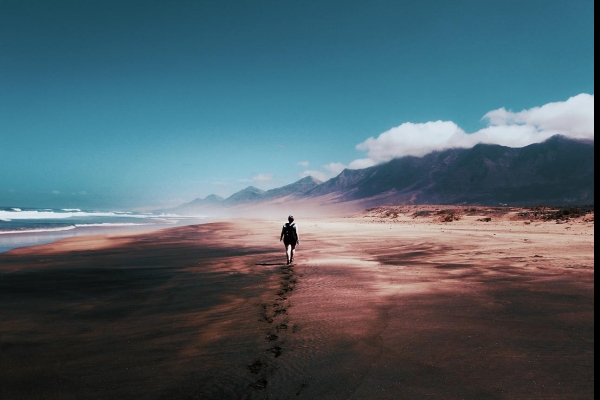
{"x":289,"y":235}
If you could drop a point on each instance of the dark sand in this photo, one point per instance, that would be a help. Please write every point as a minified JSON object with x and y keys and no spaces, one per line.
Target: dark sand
{"x":374,"y":308}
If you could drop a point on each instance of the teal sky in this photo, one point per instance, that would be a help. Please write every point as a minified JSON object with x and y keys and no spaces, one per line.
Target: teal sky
{"x":126,"y":104}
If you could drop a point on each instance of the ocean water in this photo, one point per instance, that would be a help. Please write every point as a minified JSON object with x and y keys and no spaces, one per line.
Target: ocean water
{"x":20,"y":227}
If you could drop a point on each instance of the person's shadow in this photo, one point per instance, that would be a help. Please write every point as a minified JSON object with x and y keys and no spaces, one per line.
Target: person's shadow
{"x":267,"y":264}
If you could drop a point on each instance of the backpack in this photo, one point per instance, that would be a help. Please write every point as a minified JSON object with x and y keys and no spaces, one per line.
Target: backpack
{"x":290,"y":232}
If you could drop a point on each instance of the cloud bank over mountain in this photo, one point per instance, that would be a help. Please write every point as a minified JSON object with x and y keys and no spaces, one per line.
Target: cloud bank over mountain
{"x":573,"y":118}
{"x":558,"y":171}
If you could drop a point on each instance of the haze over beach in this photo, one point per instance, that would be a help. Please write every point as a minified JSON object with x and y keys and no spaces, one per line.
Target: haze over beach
{"x":438,"y":159}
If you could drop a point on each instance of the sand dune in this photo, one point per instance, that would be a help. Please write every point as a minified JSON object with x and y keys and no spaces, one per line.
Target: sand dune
{"x":378,"y":305}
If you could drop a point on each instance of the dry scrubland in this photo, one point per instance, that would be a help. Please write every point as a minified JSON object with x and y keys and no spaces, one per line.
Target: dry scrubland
{"x":398,"y":302}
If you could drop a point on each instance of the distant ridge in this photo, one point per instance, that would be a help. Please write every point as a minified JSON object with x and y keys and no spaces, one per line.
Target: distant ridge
{"x":250,"y":194}
{"x":297,"y":188}
{"x":212,"y":199}
{"x":558,"y":171}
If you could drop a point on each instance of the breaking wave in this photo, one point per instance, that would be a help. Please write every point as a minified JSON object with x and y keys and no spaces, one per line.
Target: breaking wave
{"x":38,"y":230}
{"x":17,"y":213}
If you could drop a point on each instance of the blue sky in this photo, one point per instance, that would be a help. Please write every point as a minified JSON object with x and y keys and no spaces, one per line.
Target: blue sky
{"x":144,"y":103}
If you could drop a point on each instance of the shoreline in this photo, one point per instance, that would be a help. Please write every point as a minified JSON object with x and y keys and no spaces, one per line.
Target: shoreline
{"x":32,"y":238}
{"x":375,"y":306}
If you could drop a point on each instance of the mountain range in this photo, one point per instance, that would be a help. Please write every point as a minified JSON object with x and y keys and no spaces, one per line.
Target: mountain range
{"x":558,"y":171}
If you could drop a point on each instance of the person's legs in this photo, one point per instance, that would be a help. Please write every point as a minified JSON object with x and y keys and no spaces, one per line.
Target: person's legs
{"x":289,"y":252}
{"x":292,"y":251}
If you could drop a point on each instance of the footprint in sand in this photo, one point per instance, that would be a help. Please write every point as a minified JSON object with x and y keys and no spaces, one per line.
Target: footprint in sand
{"x":276,"y":350}
{"x":281,"y":326}
{"x":301,"y":388}
{"x":260,"y":384}
{"x":255,"y":367}
{"x":268,"y":313}
{"x":265,"y":315}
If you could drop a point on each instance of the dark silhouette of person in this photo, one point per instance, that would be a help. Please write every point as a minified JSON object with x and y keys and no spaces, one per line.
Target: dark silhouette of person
{"x":289,"y":235}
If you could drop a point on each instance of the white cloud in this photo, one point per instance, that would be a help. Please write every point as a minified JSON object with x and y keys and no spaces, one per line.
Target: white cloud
{"x":361,"y":163}
{"x":411,"y":139}
{"x":573,"y":118}
{"x":303,"y":163}
{"x":322,"y":176}
{"x":263,"y":178}
{"x":334,"y":168}
{"x":258,"y":178}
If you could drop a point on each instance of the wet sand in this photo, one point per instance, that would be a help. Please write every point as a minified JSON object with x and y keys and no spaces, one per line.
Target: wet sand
{"x":374,"y":307}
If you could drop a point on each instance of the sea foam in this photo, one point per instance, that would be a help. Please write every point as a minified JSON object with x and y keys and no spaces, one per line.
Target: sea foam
{"x":71,"y":213}
{"x":59,"y":229}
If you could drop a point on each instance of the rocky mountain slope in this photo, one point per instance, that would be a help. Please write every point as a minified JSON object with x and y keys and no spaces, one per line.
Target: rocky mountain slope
{"x":558,"y":171}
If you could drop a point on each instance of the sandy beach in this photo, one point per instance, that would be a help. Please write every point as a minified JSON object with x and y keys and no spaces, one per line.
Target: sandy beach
{"x":387,"y":304}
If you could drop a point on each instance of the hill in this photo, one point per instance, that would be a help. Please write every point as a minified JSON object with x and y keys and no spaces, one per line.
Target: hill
{"x":559,"y":171}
